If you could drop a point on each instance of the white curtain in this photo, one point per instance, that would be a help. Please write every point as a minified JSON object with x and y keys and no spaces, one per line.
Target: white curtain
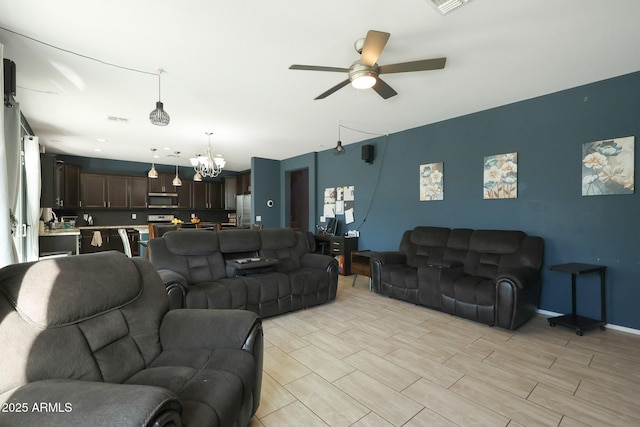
{"x":32,"y":196}
{"x":7,"y":253}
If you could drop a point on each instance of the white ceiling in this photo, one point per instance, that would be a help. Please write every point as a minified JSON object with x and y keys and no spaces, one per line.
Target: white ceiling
{"x":226,"y":68}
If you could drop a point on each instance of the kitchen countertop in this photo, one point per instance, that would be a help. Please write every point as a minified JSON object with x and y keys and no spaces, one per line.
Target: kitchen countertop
{"x":140,"y":228}
{"x":61,"y":232}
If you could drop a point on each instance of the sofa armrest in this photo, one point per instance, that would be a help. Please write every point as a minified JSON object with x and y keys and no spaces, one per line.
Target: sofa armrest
{"x":176,"y":286}
{"x":208,"y":329}
{"x":521,"y":277}
{"x":66,"y":402}
{"x":390,"y":257}
{"x":171,"y":277}
{"x":318,"y":261}
{"x":517,"y":296}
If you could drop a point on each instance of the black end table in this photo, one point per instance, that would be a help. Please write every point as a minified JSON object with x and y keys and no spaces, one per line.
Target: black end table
{"x":573,"y":320}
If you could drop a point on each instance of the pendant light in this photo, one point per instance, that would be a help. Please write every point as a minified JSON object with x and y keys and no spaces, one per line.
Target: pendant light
{"x":177,"y":182}
{"x":159,"y":117}
{"x":339,"y":148}
{"x":153,"y":173}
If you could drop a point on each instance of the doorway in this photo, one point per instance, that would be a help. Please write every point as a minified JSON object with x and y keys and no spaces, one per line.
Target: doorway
{"x":299,"y":199}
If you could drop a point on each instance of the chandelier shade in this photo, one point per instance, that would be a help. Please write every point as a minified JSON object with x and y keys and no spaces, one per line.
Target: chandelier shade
{"x":208,"y":165}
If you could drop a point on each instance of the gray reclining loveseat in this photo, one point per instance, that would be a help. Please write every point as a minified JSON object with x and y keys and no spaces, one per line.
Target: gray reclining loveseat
{"x":490,"y":276}
{"x":89,"y":340}
{"x":200,"y":270}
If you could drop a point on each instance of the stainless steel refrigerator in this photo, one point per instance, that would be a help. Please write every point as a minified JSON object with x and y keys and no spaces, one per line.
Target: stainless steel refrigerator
{"x":243,"y":211}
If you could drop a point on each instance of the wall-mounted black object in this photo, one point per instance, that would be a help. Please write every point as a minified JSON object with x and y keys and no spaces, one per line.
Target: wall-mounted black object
{"x":9,"y":80}
{"x":367,"y":153}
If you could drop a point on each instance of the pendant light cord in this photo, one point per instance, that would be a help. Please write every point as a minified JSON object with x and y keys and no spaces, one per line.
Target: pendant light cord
{"x":76,"y":53}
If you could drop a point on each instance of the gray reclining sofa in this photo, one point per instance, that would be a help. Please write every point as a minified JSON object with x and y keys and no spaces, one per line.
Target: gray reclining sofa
{"x":490,"y":276}
{"x":199,"y":269}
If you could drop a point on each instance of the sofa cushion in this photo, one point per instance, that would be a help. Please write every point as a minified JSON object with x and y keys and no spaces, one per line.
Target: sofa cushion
{"x":239,"y":241}
{"x":191,"y":242}
{"x":423,"y":243}
{"x":93,"y":287}
{"x":487,"y":248}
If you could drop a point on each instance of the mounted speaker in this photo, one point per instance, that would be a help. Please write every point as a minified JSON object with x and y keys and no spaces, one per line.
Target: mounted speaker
{"x":9,"y":77}
{"x":9,"y":68}
{"x":367,"y":153}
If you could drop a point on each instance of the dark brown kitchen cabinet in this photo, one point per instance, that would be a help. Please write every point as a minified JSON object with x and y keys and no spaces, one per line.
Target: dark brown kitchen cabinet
{"x":207,"y":195}
{"x":117,"y":192}
{"x":112,"y":191}
{"x":94,"y":190}
{"x":162,"y":184}
{"x":185,"y":194}
{"x":244,"y":183}
{"x":230,"y":192}
{"x":110,"y":240}
{"x":60,"y":183}
{"x":138,"y":192}
{"x":71,"y":186}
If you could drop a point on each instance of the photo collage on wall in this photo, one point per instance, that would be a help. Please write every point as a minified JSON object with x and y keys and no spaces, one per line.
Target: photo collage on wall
{"x":339,"y":201}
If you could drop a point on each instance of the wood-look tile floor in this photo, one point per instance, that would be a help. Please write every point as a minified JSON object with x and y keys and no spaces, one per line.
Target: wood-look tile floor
{"x":368,"y":360}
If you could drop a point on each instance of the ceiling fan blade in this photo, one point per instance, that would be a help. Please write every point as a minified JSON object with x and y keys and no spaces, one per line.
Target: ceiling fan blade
{"x":318,"y":68}
{"x":373,"y":45}
{"x":333,"y":89}
{"x":383,"y":89}
{"x":423,"y":65}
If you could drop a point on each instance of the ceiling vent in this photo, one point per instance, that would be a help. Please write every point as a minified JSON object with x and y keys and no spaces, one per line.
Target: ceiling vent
{"x":116,"y":119}
{"x":446,"y":6}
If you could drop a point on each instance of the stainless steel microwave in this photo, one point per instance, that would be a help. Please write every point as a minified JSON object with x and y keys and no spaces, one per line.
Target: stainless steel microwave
{"x":162,"y":200}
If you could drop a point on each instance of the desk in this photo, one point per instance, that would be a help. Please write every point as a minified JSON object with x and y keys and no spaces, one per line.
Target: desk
{"x":573,"y":320}
{"x":361,"y":264}
{"x":340,"y":246}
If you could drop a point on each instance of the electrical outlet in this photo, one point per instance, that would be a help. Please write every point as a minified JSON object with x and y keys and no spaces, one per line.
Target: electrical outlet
{"x":258,"y":218}
{"x":134,"y":216}
{"x":193,"y":215}
{"x":322,"y":219}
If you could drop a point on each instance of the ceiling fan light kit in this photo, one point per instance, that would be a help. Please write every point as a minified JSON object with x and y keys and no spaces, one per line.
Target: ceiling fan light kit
{"x":365,"y":73}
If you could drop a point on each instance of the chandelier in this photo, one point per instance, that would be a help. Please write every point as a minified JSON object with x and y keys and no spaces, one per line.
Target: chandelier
{"x":207,"y":165}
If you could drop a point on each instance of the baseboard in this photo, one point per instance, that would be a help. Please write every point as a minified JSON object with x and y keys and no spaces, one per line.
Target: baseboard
{"x":608,"y":325}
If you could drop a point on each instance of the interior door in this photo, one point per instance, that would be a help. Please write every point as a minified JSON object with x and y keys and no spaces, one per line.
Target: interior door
{"x":299,"y":200}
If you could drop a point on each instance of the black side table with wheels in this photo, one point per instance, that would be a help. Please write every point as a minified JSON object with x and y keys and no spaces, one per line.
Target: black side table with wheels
{"x":573,"y":320}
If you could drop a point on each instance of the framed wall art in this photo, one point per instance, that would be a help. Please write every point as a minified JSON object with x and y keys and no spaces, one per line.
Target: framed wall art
{"x":607,"y":167}
{"x":501,"y":176}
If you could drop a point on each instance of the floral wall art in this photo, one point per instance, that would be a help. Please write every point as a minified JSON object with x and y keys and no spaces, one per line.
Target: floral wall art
{"x":501,"y":176}
{"x":607,"y":167}
{"x":431,"y":182}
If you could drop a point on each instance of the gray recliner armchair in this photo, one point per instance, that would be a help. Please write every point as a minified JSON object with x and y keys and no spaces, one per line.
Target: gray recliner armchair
{"x":89,"y":340}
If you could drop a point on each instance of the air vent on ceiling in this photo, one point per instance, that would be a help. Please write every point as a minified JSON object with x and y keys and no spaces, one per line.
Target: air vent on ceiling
{"x":446,"y":6}
{"x":116,"y":119}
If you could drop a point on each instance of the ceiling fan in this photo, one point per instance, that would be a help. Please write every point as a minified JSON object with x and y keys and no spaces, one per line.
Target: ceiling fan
{"x":365,"y":72}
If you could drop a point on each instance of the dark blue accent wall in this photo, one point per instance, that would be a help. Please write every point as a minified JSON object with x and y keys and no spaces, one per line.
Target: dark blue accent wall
{"x":265,"y":185}
{"x":547,"y":133}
